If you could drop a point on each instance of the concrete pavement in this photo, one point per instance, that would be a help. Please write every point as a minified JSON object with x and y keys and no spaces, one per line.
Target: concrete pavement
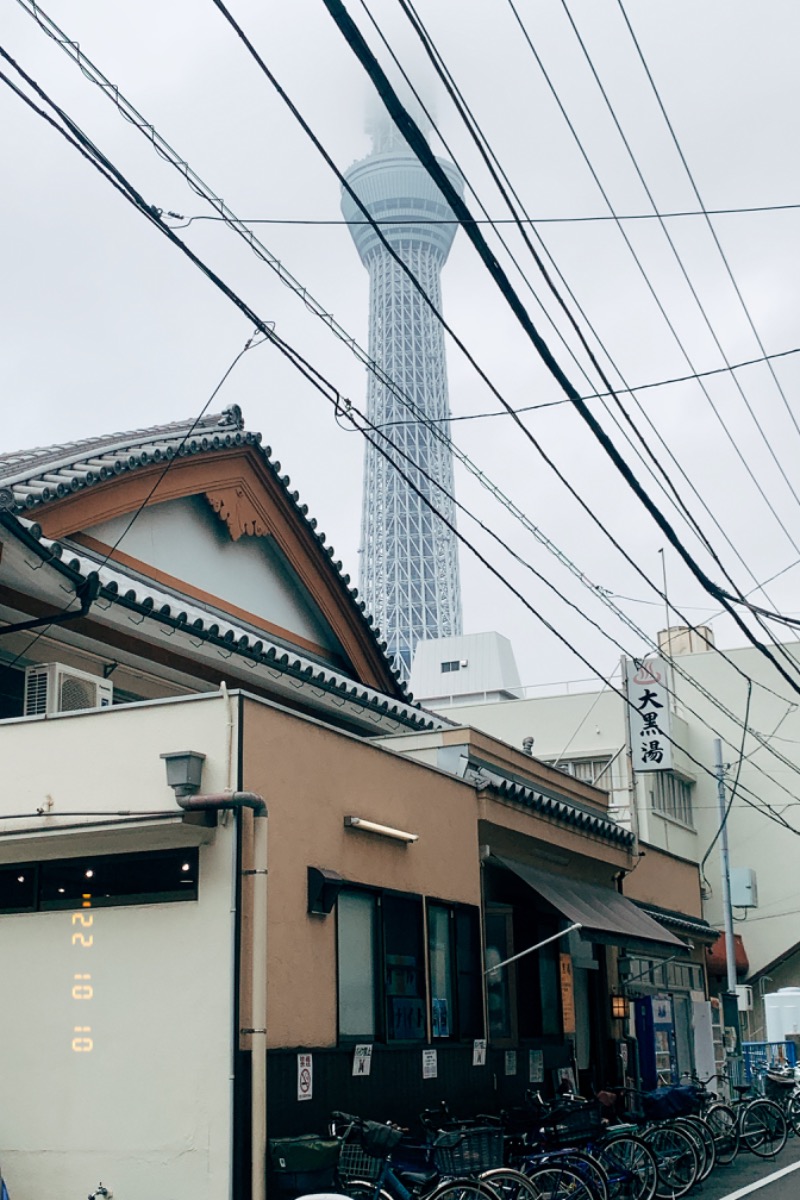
{"x":756,"y":1178}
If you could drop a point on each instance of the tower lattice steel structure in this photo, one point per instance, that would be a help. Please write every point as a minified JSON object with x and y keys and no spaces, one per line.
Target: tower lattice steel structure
{"x":409,"y":558}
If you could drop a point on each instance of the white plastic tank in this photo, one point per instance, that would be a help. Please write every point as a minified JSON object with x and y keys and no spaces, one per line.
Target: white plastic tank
{"x":782,"y":1013}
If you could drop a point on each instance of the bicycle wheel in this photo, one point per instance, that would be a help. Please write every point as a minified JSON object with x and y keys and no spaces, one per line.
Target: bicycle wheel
{"x":706,"y":1153}
{"x":463,"y":1189}
{"x":793,"y":1112}
{"x":557,"y":1181}
{"x":591,"y":1169}
{"x":362,"y":1189}
{"x":629,"y":1166}
{"x":676,"y":1159}
{"x":763,"y":1128}
{"x":508,"y":1183}
{"x":709,"y":1145}
{"x":721,"y":1120}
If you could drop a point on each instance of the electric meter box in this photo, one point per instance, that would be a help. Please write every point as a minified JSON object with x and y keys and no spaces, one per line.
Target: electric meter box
{"x":744,"y":887}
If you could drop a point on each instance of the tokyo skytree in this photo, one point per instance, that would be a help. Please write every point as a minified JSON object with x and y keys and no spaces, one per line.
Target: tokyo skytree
{"x":409,"y":575}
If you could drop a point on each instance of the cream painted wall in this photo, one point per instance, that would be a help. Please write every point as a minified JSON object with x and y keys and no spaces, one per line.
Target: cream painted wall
{"x":312,"y":777}
{"x":147,"y":1111}
{"x":186,"y":539}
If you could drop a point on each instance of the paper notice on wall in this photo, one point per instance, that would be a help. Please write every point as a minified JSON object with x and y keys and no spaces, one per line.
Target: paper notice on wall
{"x":430,"y":1068}
{"x":305,"y":1077}
{"x":362,"y":1060}
{"x":479,"y":1052}
{"x":535,"y":1066}
{"x":511,"y":1062}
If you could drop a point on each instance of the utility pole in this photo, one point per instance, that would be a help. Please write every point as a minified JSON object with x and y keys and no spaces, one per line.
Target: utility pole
{"x":731,"y":1007}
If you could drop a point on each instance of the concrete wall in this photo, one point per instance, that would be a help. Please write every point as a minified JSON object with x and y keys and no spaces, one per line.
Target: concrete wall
{"x":146,"y":1110}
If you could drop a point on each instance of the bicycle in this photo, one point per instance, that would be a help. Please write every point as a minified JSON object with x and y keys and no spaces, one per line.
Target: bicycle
{"x":365,"y":1171}
{"x":760,"y":1123}
{"x":782,"y":1085}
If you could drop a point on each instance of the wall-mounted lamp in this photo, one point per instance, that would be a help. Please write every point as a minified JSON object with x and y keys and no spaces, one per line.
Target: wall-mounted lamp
{"x":184,"y":771}
{"x":619,"y":1007}
{"x":324,"y":886}
{"x":397,"y":835}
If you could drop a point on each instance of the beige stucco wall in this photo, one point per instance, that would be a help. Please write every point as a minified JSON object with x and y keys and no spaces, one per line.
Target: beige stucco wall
{"x":662,"y":879}
{"x":312,"y":777}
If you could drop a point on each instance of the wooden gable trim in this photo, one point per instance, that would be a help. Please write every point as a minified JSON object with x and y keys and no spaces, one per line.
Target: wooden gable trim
{"x":249,"y":498}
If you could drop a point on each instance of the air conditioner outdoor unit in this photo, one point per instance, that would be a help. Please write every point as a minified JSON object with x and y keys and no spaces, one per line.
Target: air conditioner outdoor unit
{"x":53,"y":688}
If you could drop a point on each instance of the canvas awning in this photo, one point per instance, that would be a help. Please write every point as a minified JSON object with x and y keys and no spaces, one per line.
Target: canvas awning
{"x":603,"y":914}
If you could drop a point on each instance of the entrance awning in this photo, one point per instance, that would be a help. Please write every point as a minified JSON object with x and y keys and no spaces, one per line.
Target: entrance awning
{"x":605,"y":915}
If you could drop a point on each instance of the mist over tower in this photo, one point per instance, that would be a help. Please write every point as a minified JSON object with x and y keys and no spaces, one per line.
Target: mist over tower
{"x":409,"y":574}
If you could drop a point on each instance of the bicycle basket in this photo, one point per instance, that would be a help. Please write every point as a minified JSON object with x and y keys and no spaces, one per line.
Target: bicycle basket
{"x":570,"y":1126}
{"x":364,"y":1150}
{"x":468,"y":1151}
{"x":778,"y":1087}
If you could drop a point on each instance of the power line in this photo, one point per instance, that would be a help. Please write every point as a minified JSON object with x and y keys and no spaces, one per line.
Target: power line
{"x":654,"y":295}
{"x":681,"y":264}
{"x":594,"y":219}
{"x":419,"y":145}
{"x":112,"y":92}
{"x":699,"y":198}
{"x":79,"y":141}
{"x":155,"y":217}
{"x":487,"y":154}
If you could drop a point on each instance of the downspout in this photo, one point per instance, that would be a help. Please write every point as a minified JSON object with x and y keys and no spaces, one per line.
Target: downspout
{"x":258,"y":958}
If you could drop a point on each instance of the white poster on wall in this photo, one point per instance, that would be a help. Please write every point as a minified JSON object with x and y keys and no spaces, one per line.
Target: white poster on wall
{"x":362,"y":1059}
{"x":479,"y":1052}
{"x":649,"y":714}
{"x":429,"y":1064}
{"x":305,"y":1077}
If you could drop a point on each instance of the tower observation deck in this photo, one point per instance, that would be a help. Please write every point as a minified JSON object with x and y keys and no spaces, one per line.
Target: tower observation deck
{"x":409,"y":573}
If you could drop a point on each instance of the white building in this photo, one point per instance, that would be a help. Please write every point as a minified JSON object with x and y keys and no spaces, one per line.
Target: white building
{"x":584,"y":732}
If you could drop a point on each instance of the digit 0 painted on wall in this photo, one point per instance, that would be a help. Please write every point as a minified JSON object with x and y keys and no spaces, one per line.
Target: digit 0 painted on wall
{"x":82,"y":989}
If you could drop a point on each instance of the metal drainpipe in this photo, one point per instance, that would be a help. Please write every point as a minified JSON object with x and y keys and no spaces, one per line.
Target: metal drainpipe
{"x":258,"y":959}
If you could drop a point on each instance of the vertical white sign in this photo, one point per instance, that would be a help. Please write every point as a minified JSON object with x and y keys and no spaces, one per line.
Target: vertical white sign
{"x":511,"y":1062}
{"x":305,"y":1077}
{"x":649,"y":714}
{"x":429,"y":1064}
{"x":479,"y":1052}
{"x":535,"y":1066}
{"x":362,"y":1059}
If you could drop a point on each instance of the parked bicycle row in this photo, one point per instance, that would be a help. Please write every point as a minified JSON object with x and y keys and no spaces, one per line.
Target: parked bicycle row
{"x":621,"y":1145}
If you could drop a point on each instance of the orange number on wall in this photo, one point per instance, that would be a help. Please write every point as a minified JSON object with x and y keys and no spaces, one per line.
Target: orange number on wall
{"x":80,"y":939}
{"x":84,"y":919}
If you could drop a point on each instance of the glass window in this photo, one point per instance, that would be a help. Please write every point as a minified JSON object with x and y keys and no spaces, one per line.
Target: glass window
{"x":498,"y":990}
{"x":18,"y":889}
{"x":440,"y":951}
{"x":672,"y":796}
{"x":144,"y":878}
{"x":469,"y":988}
{"x":404,"y":968}
{"x":355,"y":919}
{"x":453,"y":665}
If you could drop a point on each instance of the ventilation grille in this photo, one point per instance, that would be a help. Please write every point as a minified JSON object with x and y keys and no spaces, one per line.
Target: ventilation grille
{"x":75,"y":694}
{"x":35,"y":693}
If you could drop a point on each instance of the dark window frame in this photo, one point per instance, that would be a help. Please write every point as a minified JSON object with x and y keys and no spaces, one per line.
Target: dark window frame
{"x":46,"y":869}
{"x":457,"y":1017}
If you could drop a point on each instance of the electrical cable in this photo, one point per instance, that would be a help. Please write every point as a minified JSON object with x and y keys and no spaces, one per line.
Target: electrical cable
{"x":599,"y":218}
{"x":112,"y":92}
{"x":105,"y":168}
{"x":472,"y":126}
{"x":419,"y":145}
{"x":699,"y":198}
{"x":682,"y":267}
{"x":152,"y":135}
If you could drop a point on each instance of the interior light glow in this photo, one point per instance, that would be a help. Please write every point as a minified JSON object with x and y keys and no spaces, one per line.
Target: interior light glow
{"x":61,"y":891}
{"x":185,"y":867}
{"x":89,"y":874}
{"x":20,"y":879}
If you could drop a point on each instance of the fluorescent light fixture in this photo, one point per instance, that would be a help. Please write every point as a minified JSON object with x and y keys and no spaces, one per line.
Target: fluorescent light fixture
{"x":398,"y":835}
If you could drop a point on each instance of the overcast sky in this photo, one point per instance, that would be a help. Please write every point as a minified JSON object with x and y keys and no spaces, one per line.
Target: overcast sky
{"x":105,"y":326}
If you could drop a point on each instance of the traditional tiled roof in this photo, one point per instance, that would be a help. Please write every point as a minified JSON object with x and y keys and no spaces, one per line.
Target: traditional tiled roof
{"x":682,"y":923}
{"x":32,"y":478}
{"x":564,"y":811}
